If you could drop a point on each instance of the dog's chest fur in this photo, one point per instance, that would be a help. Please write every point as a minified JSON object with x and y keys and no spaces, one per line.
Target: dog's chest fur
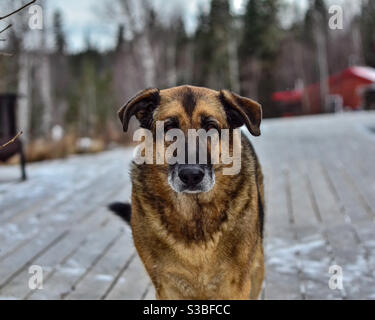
{"x":200,"y":247}
{"x":202,"y":270}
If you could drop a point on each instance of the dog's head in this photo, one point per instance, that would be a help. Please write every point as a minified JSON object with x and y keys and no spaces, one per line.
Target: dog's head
{"x":189,"y":107}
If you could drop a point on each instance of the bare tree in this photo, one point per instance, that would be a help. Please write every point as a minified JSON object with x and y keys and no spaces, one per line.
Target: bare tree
{"x":23,"y":94}
{"x":139,"y":29}
{"x":321,"y":45}
{"x":234,"y":71}
{"x":45,"y":83}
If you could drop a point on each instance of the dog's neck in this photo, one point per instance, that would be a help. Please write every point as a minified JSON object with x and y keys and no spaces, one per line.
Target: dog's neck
{"x":199,"y":217}
{"x":194,"y":218}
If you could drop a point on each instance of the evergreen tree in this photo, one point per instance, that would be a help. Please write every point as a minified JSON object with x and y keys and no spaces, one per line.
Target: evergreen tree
{"x":60,"y":42}
{"x":261,"y":30}
{"x":211,"y":43}
{"x":181,"y":35}
{"x":317,"y":13}
{"x":316,"y":31}
{"x":220,"y":24}
{"x":182,"y":44}
{"x":367,"y":30}
{"x":260,"y":45}
{"x":120,"y":38}
{"x":202,"y":50}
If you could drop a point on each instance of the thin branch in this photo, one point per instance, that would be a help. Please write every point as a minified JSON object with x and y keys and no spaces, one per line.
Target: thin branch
{"x":11,"y":141}
{"x":18,"y":10}
{"x":9,"y":54}
{"x":6,"y":28}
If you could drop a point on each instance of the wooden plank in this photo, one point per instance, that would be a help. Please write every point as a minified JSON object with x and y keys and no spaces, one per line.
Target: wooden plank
{"x":277,"y":216}
{"x":40,"y":183}
{"x":325,"y":199}
{"x":348,"y":208}
{"x":18,"y":286}
{"x":14,"y":234}
{"x":50,"y":259}
{"x":281,"y":280}
{"x":307,"y":238}
{"x":358,"y":279}
{"x":150,"y":293}
{"x":108,"y":182}
{"x":13,"y":265}
{"x":68,"y":173}
{"x":302,"y":206}
{"x":66,"y":276}
{"x":361,"y":175}
{"x":319,"y":258}
{"x":310,"y":250}
{"x":351,"y":204}
{"x":133,"y":283}
{"x":99,"y":279}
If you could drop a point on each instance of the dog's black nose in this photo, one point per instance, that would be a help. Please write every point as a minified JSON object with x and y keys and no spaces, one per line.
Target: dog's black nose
{"x":191,"y":175}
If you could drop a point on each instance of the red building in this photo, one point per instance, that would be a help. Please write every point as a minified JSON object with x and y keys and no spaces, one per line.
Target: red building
{"x":344,"y":88}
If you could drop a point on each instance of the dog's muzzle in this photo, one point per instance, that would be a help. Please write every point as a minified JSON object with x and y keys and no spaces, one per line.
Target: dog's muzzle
{"x":191,"y":178}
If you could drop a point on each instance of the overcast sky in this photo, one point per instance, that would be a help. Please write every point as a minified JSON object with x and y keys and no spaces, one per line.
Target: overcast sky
{"x":86,"y":18}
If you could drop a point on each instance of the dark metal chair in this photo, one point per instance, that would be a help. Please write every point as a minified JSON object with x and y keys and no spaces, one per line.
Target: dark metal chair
{"x":8,"y":129}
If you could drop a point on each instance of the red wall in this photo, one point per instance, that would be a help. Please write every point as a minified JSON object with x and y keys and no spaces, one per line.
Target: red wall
{"x":346,"y":85}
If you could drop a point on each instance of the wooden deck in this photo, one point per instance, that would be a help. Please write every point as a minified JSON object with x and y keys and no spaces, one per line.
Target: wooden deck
{"x":320,"y":189}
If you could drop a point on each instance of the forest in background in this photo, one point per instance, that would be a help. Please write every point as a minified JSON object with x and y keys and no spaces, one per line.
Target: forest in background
{"x":255,"y":53}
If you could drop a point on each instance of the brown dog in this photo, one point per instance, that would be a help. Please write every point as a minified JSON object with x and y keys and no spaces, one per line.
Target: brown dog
{"x":198,"y":231}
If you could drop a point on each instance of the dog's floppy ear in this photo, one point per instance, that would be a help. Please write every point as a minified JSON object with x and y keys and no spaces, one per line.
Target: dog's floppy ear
{"x":242,"y":111}
{"x":142,"y":106}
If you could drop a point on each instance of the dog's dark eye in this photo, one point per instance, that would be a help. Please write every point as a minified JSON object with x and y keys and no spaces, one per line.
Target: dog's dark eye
{"x":208,"y":123}
{"x":211,"y":125}
{"x":170,"y":125}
